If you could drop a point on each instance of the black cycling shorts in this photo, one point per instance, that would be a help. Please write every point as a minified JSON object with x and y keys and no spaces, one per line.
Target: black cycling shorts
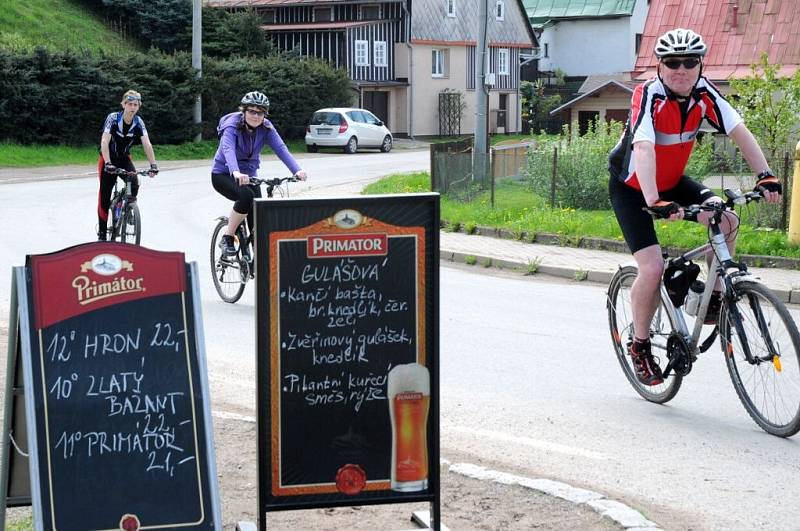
{"x":636,"y":224}
{"x":241,"y":195}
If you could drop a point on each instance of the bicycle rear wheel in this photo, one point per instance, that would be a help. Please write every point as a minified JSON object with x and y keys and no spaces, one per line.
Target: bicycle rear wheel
{"x":769,"y":383}
{"x":227,"y":272}
{"x":620,"y":321}
{"x":130,"y":229}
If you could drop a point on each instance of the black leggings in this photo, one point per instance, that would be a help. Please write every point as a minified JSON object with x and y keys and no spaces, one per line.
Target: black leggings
{"x":242,"y":196}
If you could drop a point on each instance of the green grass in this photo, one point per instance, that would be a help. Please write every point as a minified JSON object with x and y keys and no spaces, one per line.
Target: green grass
{"x":519,"y":211}
{"x":20,"y":525}
{"x":16,"y":155}
{"x":58,"y":25}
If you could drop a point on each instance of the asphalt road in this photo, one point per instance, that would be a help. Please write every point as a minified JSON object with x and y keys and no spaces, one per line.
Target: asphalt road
{"x":529,"y":382}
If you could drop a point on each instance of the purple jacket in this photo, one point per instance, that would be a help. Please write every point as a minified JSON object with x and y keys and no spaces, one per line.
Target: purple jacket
{"x":241,"y":151}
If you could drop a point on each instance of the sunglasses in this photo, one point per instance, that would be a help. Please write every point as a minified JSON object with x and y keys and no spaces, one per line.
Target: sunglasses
{"x":688,"y":63}
{"x":132,"y":98}
{"x":255,"y":112}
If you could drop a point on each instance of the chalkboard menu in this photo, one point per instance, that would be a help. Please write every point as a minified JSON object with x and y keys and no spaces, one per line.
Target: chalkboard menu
{"x":347,"y":300}
{"x":119,"y":428}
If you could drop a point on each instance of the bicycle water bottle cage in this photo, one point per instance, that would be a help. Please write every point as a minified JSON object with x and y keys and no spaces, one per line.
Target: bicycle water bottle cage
{"x":677,"y":279}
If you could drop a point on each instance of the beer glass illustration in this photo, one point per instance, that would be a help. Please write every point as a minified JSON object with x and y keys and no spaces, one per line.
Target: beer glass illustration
{"x":409,"y":393}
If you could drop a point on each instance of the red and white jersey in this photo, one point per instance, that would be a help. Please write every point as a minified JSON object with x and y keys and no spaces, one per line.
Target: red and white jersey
{"x":658,"y":118}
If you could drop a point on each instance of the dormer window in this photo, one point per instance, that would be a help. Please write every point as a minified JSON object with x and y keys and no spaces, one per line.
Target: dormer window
{"x":323,"y":14}
{"x":450,"y":7}
{"x":500,"y":10}
{"x":369,"y":12}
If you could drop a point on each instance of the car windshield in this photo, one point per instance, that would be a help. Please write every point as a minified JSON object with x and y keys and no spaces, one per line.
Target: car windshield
{"x":326,"y":118}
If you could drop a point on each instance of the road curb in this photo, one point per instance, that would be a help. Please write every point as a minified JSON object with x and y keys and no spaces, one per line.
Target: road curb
{"x":483,"y":261}
{"x":618,"y":512}
{"x":573,"y":273}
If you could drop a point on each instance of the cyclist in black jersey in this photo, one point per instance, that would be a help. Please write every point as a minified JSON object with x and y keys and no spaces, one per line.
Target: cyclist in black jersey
{"x":120,"y":131}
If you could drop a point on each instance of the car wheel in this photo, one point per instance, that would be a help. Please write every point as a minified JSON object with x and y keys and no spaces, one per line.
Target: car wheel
{"x":386,"y":145}
{"x":351,"y":146}
{"x":311,"y":148}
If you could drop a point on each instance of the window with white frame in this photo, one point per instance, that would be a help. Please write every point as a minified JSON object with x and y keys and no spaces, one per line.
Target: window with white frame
{"x":500,"y":10}
{"x":438,"y":63}
{"x":502,"y":62}
{"x":379,"y":53}
{"x":362,"y":53}
{"x":451,"y":8}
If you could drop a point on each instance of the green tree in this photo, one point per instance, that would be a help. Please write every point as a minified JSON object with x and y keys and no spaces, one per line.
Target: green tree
{"x":226,"y":34}
{"x":770,"y":106}
{"x":536,"y":105}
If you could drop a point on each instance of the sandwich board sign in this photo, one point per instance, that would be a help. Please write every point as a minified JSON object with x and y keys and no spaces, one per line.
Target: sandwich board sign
{"x":347,"y":352}
{"x":107,"y":421}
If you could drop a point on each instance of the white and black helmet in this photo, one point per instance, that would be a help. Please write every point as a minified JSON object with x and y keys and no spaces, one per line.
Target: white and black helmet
{"x":682,"y":42}
{"x":256,"y":99}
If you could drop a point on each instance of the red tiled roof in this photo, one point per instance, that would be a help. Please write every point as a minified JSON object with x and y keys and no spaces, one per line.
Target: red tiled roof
{"x":771,"y":26}
{"x":317,"y":25}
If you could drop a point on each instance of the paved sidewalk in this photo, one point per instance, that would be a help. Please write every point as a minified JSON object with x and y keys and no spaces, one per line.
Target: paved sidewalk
{"x":574,"y":263}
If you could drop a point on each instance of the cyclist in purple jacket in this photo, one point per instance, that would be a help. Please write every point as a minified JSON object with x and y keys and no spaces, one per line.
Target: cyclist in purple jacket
{"x":242,"y":137}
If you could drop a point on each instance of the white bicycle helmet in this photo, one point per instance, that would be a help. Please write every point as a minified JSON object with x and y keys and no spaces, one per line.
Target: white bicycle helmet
{"x":256,"y":99}
{"x":682,"y":42}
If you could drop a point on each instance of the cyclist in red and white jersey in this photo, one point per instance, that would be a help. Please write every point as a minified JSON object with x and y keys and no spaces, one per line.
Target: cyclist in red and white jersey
{"x":647,"y":168}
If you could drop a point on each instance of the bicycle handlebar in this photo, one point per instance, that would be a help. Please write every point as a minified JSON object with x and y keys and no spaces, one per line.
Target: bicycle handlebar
{"x":735,"y":197}
{"x":277,"y":181}
{"x":122,"y":172}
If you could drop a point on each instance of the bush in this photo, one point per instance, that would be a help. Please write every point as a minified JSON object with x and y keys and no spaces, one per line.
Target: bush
{"x":582,"y":171}
{"x":280,"y":78}
{"x":63,"y":97}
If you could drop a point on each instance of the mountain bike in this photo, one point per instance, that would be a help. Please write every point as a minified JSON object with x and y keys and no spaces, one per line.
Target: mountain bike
{"x":126,"y":222}
{"x":231,"y":272}
{"x":758,"y":336}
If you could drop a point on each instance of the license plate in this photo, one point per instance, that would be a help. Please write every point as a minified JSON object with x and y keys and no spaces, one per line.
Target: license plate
{"x":322,"y":131}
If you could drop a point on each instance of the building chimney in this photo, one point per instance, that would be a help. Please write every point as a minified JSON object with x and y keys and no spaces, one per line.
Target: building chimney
{"x":735,"y":23}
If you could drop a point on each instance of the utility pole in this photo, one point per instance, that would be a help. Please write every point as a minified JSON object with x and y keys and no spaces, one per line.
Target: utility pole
{"x":480,"y":158}
{"x":197,"y":61}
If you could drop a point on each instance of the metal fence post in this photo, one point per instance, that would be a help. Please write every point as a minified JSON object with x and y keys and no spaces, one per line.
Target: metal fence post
{"x":785,"y":198}
{"x":553,"y":180}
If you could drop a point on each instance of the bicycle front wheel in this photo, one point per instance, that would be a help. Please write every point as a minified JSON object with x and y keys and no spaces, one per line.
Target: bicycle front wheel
{"x":229,"y":277}
{"x":768,"y":380}
{"x":620,"y":321}
{"x":130,"y":230}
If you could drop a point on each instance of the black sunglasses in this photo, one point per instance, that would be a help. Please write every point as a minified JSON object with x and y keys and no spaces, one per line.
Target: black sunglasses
{"x":688,"y":63}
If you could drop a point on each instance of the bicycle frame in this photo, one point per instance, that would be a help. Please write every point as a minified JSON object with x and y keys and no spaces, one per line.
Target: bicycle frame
{"x":721,"y":262}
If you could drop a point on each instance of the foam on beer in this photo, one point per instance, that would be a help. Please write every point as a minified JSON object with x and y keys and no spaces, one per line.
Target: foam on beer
{"x":411,"y":377}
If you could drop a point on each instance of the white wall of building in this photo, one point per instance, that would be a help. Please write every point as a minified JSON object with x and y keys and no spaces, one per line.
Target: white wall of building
{"x":593,"y":46}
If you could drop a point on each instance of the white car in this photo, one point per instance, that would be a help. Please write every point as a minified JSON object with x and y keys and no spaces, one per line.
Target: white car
{"x":347,"y":128}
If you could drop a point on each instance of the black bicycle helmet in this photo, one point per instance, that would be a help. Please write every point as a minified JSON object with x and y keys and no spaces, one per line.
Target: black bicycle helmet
{"x":256,"y":99}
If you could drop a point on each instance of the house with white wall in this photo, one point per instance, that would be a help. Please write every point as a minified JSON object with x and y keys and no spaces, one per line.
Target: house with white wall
{"x":583,"y":38}
{"x":409,"y":60}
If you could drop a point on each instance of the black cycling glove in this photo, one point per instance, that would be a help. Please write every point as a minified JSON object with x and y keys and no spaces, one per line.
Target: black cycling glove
{"x":109,"y":168}
{"x":767,"y":183}
{"x":153,"y":169}
{"x":663,"y":209}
